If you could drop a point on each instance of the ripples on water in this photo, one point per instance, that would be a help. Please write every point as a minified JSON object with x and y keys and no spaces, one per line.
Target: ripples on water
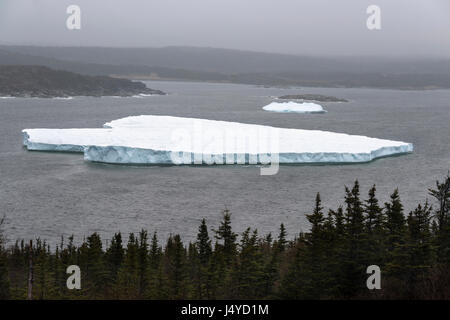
{"x":54,"y":194}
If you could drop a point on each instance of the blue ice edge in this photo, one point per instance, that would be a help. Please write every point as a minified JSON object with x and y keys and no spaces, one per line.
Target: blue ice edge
{"x":129,"y":155}
{"x":301,"y":112}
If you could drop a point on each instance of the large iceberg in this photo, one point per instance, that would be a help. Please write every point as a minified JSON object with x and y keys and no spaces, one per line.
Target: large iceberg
{"x":175,"y":140}
{"x":304,"y":107}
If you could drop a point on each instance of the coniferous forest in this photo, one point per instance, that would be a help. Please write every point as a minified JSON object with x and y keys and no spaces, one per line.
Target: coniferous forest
{"x":412,"y":250}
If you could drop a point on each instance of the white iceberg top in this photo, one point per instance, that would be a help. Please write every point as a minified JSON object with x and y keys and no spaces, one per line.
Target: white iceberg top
{"x":305,"y":107}
{"x":154,"y":139}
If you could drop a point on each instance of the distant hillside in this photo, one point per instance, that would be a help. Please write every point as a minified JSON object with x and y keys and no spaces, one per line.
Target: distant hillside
{"x":233,"y":66}
{"x":128,"y":70}
{"x":229,"y":61}
{"x":43,"y":82}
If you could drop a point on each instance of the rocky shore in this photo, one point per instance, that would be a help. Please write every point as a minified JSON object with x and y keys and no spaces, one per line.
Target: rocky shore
{"x":43,"y":82}
{"x":312,"y":97}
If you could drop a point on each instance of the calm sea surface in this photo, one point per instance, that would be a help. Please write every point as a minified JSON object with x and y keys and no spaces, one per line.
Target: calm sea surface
{"x":48,"y":195}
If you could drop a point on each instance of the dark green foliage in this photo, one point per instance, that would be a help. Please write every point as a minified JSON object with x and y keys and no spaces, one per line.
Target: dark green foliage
{"x":418,"y":248}
{"x":114,"y":255}
{"x":442,"y":219}
{"x":4,"y":277}
{"x":395,"y":223}
{"x":328,"y":262}
{"x":354,"y":252}
{"x":281,"y":242}
{"x":142,"y":262}
{"x":204,"y":244}
{"x":200,"y":257}
{"x":375,"y":226}
{"x":176,"y":268}
{"x":395,"y":238}
{"x":227,"y":238}
{"x":128,"y":275}
{"x":96,"y":271}
{"x":248,"y":275}
{"x":314,"y":259}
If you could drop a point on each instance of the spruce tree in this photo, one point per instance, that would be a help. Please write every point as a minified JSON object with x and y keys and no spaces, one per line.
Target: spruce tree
{"x":442,"y":195}
{"x":248,"y":277}
{"x":281,"y":242}
{"x":204,"y":249}
{"x":216,"y":274}
{"x":316,"y":219}
{"x":269,"y":239}
{"x":354,"y":251}
{"x":143,"y":263}
{"x":375,"y":223}
{"x":331,"y":247}
{"x":296,"y":280}
{"x":127,"y":286}
{"x":155,"y":252}
{"x":395,"y":221}
{"x":442,"y":217}
{"x":315,"y":249}
{"x":228,"y":238}
{"x":271,"y":270}
{"x":419,"y":249}
{"x":225,"y":259}
{"x":4,"y":274}
{"x":114,"y":255}
{"x":177,"y":276}
{"x":395,"y":240}
{"x":196,"y":286}
{"x":154,"y":272}
{"x":375,"y":219}
{"x":272,"y":264}
{"x":96,"y":274}
{"x":44,"y":282}
{"x":204,"y":244}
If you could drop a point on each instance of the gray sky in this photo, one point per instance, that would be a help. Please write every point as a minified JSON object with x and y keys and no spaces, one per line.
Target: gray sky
{"x":409,"y":27}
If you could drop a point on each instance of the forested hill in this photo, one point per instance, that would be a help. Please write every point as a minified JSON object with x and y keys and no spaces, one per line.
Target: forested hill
{"x":234,"y":66}
{"x":43,"y":82}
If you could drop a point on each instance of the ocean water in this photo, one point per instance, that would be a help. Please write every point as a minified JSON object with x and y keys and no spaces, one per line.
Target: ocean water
{"x":49,"y":195}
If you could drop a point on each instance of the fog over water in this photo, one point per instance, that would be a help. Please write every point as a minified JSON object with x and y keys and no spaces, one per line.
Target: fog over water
{"x":325,"y":27}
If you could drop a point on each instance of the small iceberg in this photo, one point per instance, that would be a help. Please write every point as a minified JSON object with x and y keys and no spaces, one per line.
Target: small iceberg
{"x":143,"y":95}
{"x":63,"y":98}
{"x":305,"y":107}
{"x":176,"y":140}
